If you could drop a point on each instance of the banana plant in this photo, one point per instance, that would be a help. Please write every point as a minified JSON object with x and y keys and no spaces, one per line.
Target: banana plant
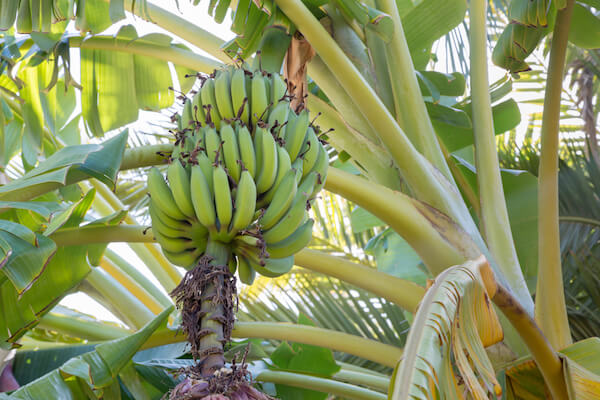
{"x":408,"y":146}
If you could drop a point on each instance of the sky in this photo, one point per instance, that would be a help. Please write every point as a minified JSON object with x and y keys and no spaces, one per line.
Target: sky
{"x":199,"y":15}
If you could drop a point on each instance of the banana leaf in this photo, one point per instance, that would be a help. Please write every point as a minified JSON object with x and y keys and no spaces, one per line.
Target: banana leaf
{"x":91,"y":375}
{"x":454,"y":324}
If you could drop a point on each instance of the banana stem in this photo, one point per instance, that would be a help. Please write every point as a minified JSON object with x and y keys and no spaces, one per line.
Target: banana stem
{"x":102,"y":234}
{"x":545,"y":357}
{"x":401,"y":213}
{"x":378,"y":383}
{"x":407,"y":95}
{"x":180,"y":27}
{"x":324,"y":385}
{"x":369,"y":349}
{"x":403,"y":293}
{"x":182,"y":57}
{"x":215,"y":317}
{"x":494,"y":215}
{"x":136,"y":313}
{"x":81,"y":328}
{"x":550,"y":308}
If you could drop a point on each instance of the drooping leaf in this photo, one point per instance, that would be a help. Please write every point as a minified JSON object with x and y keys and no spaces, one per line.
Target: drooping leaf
{"x":453,"y":324}
{"x":99,"y":161}
{"x":96,"y":370}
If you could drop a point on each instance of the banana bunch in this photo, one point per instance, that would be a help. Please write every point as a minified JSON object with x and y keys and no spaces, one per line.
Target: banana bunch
{"x":243,"y":172}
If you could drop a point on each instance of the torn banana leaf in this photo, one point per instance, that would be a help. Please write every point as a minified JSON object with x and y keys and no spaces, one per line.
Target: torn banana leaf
{"x":453,"y":325}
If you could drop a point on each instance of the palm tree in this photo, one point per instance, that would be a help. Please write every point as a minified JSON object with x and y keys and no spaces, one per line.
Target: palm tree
{"x":402,"y":128}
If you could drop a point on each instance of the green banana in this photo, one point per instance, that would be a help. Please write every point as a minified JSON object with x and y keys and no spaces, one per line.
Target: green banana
{"x":275,"y":267}
{"x":185,"y":259}
{"x":295,"y":133}
{"x":198,"y":110}
{"x":294,"y":217}
{"x":249,"y":241}
{"x":297,"y":165}
{"x":246,"y":147}
{"x":279,"y":114}
{"x":231,"y":153}
{"x":310,"y":151}
{"x":245,"y":203}
{"x":206,"y":165}
{"x":293,"y":243}
{"x":179,"y":224}
{"x":267,"y":161}
{"x":222,"y":193}
{"x":173,"y":245}
{"x":159,"y":226}
{"x":212,"y":143}
{"x":281,"y":201}
{"x":223,"y":94}
{"x":283,"y":166}
{"x":239,"y":96}
{"x":308,"y":183}
{"x":232,"y":263}
{"x":278,"y":88}
{"x":259,"y":99}
{"x":208,"y":100}
{"x":321,"y":167}
{"x":179,"y":181}
{"x":245,"y":271}
{"x":202,"y":199}
{"x":187,"y":116}
{"x":161,"y":194}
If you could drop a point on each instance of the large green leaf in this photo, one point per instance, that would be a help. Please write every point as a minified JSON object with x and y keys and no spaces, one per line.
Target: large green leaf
{"x":92,"y":372}
{"x":584,"y":30}
{"x":427,"y":22}
{"x":453,"y":125}
{"x":98,"y":161}
{"x":117,"y":84}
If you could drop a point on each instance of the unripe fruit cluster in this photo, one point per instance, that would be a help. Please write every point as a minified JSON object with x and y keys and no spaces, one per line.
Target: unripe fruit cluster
{"x":244,"y":170}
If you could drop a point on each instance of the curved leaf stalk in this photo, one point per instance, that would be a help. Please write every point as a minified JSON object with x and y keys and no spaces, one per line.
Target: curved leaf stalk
{"x":137,"y":276}
{"x":429,"y":184}
{"x":378,"y":383}
{"x":136,"y":313}
{"x":322,"y":75}
{"x":410,"y":106}
{"x":455,"y":317}
{"x":324,"y":385}
{"x":369,"y":279}
{"x":81,"y":328}
{"x":180,"y":27}
{"x":373,"y":350}
{"x":550,"y":308}
{"x":179,"y":56}
{"x":132,"y":286}
{"x":403,"y":293}
{"x":375,"y":159}
{"x":132,"y":158}
{"x":103,"y":191}
{"x":423,"y":227}
{"x":494,"y":215}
